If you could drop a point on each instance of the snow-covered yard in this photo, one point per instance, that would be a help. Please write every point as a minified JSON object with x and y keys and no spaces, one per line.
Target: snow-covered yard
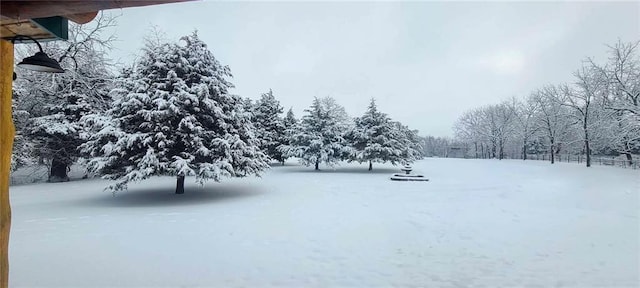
{"x":476,"y":223}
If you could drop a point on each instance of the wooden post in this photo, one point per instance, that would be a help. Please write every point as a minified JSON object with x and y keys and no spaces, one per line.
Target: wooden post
{"x":6,"y":148}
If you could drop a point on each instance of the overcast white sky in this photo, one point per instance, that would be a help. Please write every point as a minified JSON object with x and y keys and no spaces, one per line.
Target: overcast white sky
{"x":424,"y":62}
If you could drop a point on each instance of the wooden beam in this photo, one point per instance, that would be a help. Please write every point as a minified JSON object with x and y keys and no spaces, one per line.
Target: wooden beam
{"x":82,"y":18}
{"x":28,"y":9}
{"x":6,"y":148}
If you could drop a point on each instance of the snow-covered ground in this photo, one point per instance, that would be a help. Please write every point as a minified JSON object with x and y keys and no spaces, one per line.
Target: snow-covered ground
{"x":481,"y":223}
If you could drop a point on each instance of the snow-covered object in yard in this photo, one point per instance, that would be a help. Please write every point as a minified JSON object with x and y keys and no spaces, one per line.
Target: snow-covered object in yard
{"x":407,"y":175}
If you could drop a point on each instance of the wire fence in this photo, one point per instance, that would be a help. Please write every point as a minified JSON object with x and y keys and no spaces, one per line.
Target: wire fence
{"x":595,"y":160}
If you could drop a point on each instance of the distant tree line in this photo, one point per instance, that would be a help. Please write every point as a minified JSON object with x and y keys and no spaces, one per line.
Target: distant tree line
{"x":597,"y":114}
{"x":443,"y":147}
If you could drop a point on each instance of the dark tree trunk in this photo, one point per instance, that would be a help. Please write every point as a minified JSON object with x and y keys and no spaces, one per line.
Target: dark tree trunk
{"x":586,"y":145}
{"x":629,"y":158}
{"x":628,"y":153}
{"x":524,"y":150}
{"x":476,"y":150}
{"x":180,"y":185}
{"x":58,"y":172}
{"x":317,"y":164}
{"x":586,"y":137}
{"x":370,"y":165}
{"x":494,"y":149}
{"x":553,"y":152}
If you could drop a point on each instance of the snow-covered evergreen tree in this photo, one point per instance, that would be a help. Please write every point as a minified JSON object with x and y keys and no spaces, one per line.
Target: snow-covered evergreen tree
{"x":178,"y":120}
{"x":320,"y":138}
{"x":58,"y":134}
{"x":247,"y":105}
{"x":291,"y":127}
{"x":371,"y":139}
{"x":407,"y":142}
{"x":290,"y":120}
{"x":269,"y":125}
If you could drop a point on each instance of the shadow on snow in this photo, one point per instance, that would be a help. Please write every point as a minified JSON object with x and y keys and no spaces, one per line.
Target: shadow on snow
{"x":286,"y":164}
{"x":346,"y":170}
{"x":165,"y":196}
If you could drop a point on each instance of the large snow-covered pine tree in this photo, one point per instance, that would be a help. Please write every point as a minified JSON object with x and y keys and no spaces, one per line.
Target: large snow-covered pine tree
{"x":269,"y":125}
{"x":178,"y":120}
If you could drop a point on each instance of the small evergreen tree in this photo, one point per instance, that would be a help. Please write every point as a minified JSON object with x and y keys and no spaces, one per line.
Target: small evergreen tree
{"x":178,"y":120}
{"x":290,"y":120}
{"x":57,"y":135}
{"x":269,"y":125}
{"x":291,"y":127}
{"x":407,"y":142}
{"x":247,"y":105}
{"x":321,"y":134}
{"x":371,"y":139}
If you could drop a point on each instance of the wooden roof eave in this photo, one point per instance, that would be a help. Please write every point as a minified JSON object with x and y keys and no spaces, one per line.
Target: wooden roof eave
{"x":77,"y":11}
